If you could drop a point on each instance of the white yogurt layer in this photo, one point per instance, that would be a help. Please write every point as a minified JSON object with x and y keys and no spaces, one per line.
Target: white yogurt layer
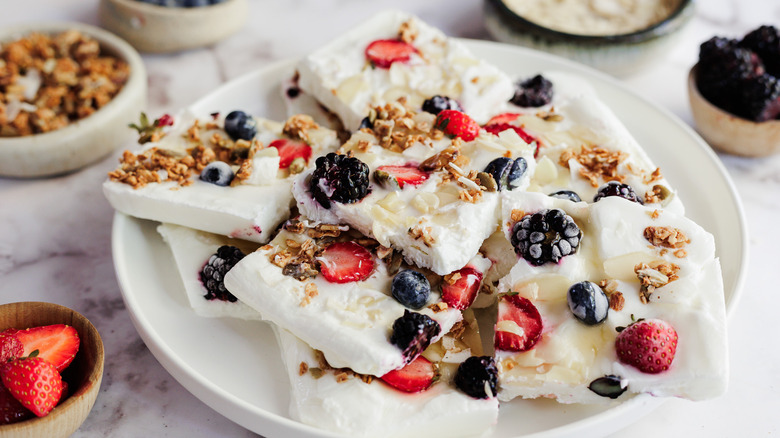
{"x":248,"y":209}
{"x":571,"y":354}
{"x":342,"y":79}
{"x":191,"y":251}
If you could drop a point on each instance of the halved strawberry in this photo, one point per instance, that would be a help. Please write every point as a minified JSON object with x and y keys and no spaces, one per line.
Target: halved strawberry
{"x":34,"y":382}
{"x":383,"y":53}
{"x":289,"y":150}
{"x":519,"y":324}
{"x":416,"y":376}
{"x":648,"y":345}
{"x":503,"y":118}
{"x":463,"y":291}
{"x":457,"y":124}
{"x":344,"y":262}
{"x":10,"y":346}
{"x":56,"y":343}
{"x":404,"y":174}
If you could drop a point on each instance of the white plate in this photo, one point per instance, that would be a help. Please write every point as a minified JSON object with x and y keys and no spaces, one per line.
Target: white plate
{"x":251,"y":387}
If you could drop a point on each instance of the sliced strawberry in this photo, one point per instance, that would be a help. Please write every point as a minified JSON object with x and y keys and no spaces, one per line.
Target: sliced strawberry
{"x":416,"y":376}
{"x":11,"y":410}
{"x":344,"y":262}
{"x":503,"y":118}
{"x":383,"y":53}
{"x":519,"y":324}
{"x":496,"y":128}
{"x":57,"y":343}
{"x":457,"y":124}
{"x":10,"y":346}
{"x":34,"y":382}
{"x":405,"y":174}
{"x":463,"y":291}
{"x":165,"y":120}
{"x":289,"y":150}
{"x":648,"y":345}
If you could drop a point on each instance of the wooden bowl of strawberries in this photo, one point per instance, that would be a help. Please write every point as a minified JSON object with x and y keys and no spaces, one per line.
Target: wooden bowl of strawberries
{"x":59,"y":354}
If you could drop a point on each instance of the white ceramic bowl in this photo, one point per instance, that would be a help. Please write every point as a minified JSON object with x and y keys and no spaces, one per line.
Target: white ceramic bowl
{"x":84,"y":141}
{"x":158,"y":29}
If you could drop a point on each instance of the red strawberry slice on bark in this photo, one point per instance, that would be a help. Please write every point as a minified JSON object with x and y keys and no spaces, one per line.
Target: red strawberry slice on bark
{"x":383,"y":53}
{"x":416,"y":376}
{"x":344,"y":262}
{"x":519,"y":324}
{"x":10,"y":346}
{"x":56,"y":343}
{"x":34,"y":382}
{"x":410,"y":175}
{"x":289,"y":150}
{"x":503,"y":118}
{"x":457,"y":124}
{"x":648,"y":345}
{"x":462,"y":292}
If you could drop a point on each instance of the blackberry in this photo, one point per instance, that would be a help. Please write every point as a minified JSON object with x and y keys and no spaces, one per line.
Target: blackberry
{"x":608,"y":386}
{"x":411,"y":289}
{"x":339,"y":178}
{"x":545,"y":236}
{"x":614,"y":188}
{"x":507,"y":172}
{"x":412,"y":333}
{"x":213,"y":273}
{"x":722,"y":65}
{"x":474,"y":373}
{"x":534,"y":92}
{"x":759,"y":98}
{"x":765,"y":42}
{"x":566,"y":194}
{"x":437,"y":104}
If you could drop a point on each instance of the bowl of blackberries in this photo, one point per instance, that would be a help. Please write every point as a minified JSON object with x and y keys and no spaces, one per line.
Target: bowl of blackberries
{"x":164,"y":26}
{"x":734,"y":92}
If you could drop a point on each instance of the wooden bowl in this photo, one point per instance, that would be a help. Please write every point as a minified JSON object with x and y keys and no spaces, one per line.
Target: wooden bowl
{"x":729,"y":133}
{"x":83,"y":375}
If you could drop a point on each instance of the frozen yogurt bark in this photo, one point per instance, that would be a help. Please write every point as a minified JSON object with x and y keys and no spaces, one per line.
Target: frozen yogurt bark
{"x":392,"y":55}
{"x":229,"y":177}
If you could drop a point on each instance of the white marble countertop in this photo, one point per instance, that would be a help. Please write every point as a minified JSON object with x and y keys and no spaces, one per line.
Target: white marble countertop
{"x":55,"y":234}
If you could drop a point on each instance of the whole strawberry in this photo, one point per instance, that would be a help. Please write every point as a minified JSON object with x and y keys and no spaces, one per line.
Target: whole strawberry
{"x":648,"y":345}
{"x":34,"y":382}
{"x":457,"y":124}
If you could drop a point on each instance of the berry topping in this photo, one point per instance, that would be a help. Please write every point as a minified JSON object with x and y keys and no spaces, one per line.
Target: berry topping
{"x":213,"y":273}
{"x":396,"y":177}
{"x":339,"y":178}
{"x":608,"y":386}
{"x":289,"y":150}
{"x":648,"y":345}
{"x":218,"y":173}
{"x":10,"y":346}
{"x":437,"y":104}
{"x":758,"y":99}
{"x":566,"y":194}
{"x":519,"y":324}
{"x":463,"y":291}
{"x":11,"y":411}
{"x":383,"y":53}
{"x":545,"y":236}
{"x":534,"y":92}
{"x":417,"y":376}
{"x":457,"y":124}
{"x":588,"y":302}
{"x":165,"y":120}
{"x":497,"y":128}
{"x":345,"y":262}
{"x":503,"y":118}
{"x":765,"y":42}
{"x":507,"y":172}
{"x":614,"y":188}
{"x":366,"y":123}
{"x":240,"y":126}
{"x":411,"y":289}
{"x":413,"y":332}
{"x":34,"y":382}
{"x":57,"y":343}
{"x":475,"y":375}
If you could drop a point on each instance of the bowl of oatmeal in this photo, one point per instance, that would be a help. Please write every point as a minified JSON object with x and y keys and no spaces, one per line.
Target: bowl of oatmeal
{"x":66,"y":91}
{"x":619,"y":37}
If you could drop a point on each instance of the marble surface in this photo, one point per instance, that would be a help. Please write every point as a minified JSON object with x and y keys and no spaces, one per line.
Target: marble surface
{"x":55,"y":234}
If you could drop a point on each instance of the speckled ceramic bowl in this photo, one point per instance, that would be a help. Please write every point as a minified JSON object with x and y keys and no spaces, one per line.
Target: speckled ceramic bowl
{"x":83,"y":375}
{"x":619,"y":55}
{"x":158,"y":29}
{"x":729,"y":133}
{"x":84,"y":141}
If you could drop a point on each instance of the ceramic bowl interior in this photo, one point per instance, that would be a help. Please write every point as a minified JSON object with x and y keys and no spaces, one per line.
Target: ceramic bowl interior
{"x":83,"y":375}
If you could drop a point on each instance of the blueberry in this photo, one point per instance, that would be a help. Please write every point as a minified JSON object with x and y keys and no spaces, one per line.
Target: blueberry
{"x":366,"y":123}
{"x":615,"y":188}
{"x":507,"y":172}
{"x":217,"y":172}
{"x":195,"y":3}
{"x":588,"y":302}
{"x":566,"y":194}
{"x":411,"y":289}
{"x":240,"y":125}
{"x":608,"y":386}
{"x":437,"y":104}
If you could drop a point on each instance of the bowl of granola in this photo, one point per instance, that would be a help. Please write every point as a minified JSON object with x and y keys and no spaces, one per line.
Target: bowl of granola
{"x":66,"y":89}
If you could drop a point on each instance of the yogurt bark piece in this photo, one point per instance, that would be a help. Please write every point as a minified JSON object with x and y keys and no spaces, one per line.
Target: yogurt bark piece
{"x":338,"y":400}
{"x":442,"y":208}
{"x":650,"y":264}
{"x":350,"y":319}
{"x":164,"y":181}
{"x":345,"y":78}
{"x":192,"y":250}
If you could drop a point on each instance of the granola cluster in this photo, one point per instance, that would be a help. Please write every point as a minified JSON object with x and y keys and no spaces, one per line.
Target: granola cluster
{"x":598,"y":163}
{"x":155,"y":165}
{"x":668,"y":238}
{"x":49,"y":81}
{"x":654,"y":275}
{"x":342,"y":374}
{"x":397,"y":128}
